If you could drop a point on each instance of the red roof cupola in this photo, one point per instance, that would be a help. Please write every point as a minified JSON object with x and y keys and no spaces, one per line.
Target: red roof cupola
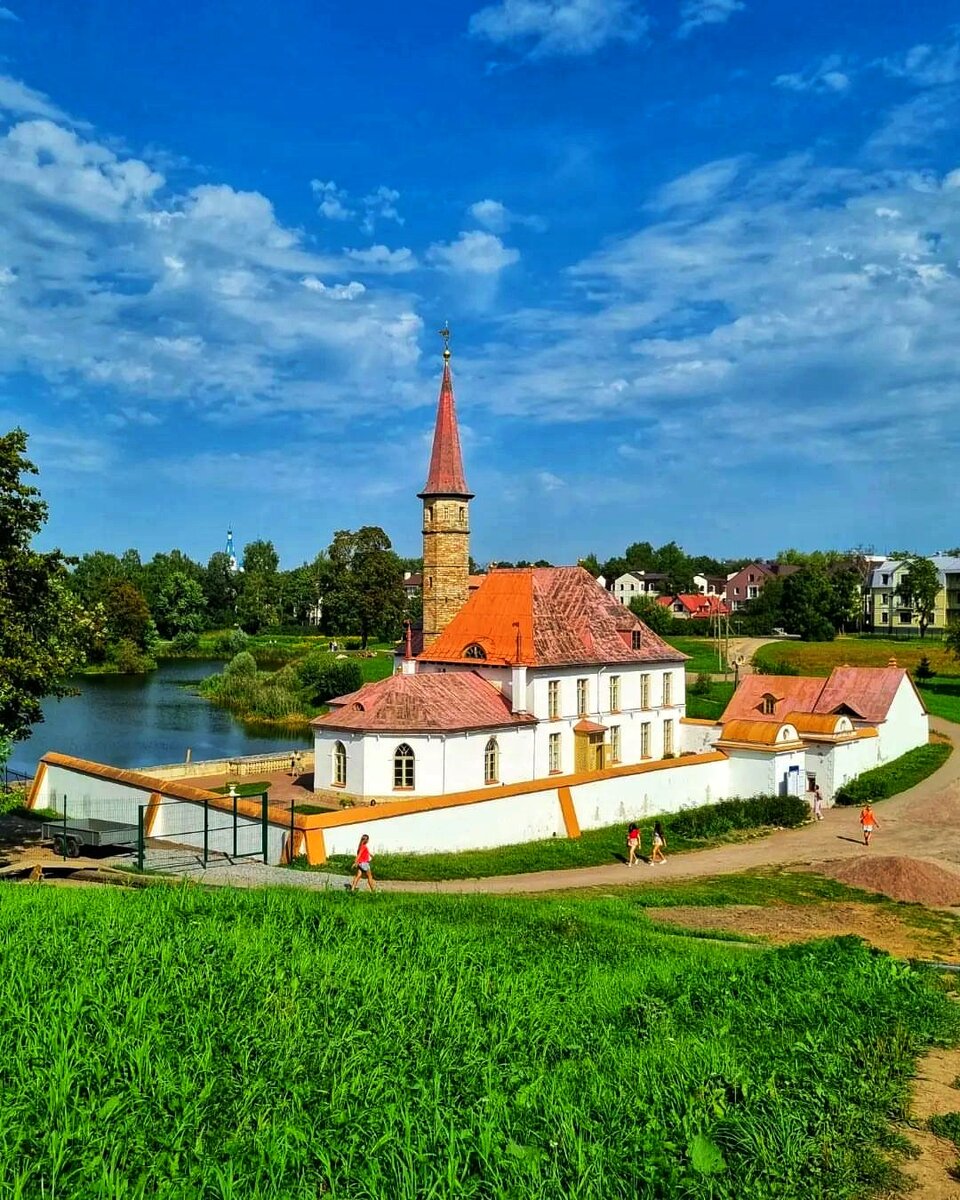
{"x":445,"y":477}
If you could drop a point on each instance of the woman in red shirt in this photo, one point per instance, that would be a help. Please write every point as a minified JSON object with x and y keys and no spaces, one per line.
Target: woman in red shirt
{"x":362,"y":864}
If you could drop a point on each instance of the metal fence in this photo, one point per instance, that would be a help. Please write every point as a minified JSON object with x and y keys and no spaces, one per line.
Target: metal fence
{"x":165,"y":835}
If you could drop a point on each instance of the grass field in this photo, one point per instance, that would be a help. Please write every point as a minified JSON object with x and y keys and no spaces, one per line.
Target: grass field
{"x":178,"y":1043}
{"x":897,"y":776}
{"x":710,"y":706}
{"x":819,"y":658}
{"x":703,"y":654}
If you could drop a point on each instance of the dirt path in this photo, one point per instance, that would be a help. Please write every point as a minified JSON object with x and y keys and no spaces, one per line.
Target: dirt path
{"x":922,"y":823}
{"x":934,"y":1094}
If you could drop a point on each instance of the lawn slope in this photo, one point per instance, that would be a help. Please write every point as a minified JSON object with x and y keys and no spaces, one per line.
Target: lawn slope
{"x":175,"y":1043}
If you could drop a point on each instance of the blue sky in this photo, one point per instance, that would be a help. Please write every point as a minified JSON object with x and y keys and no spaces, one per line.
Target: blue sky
{"x":700,"y":259}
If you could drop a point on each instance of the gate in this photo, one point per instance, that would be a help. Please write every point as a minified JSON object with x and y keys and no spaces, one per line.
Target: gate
{"x":173,"y":835}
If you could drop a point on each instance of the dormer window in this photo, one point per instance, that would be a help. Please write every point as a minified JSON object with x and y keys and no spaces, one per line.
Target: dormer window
{"x":474,"y":650}
{"x":768,"y":705}
{"x":635,"y":636}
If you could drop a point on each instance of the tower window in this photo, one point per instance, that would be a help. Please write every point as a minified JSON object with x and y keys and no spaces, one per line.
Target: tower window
{"x":463,"y":514}
{"x":403,"y":763}
{"x":428,"y":514}
{"x":474,"y":650}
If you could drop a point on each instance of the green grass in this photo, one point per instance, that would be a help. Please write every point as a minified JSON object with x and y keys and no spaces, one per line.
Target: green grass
{"x":942,"y":697}
{"x":178,"y":1043}
{"x":897,"y":776}
{"x":254,"y":788}
{"x":703,"y":654}
{"x":710,"y":706}
{"x":690,"y":829}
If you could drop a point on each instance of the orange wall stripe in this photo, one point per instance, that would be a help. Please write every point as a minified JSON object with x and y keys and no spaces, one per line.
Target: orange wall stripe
{"x":570,"y":821}
{"x":316,"y":847}
{"x":150,"y":816}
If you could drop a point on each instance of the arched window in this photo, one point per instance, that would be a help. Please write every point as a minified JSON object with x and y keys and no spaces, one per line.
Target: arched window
{"x":463,"y":514}
{"x":403,"y":767}
{"x":474,"y":650}
{"x":491,"y":762}
{"x":339,"y":765}
{"x":768,"y":705}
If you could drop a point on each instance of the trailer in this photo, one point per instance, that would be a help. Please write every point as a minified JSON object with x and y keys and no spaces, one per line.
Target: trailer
{"x":70,"y":837}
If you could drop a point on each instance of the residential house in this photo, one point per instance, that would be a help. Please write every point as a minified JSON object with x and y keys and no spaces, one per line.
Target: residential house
{"x":746,"y":584}
{"x":638,"y":583}
{"x":885,"y":610}
{"x":695,"y":606}
{"x":710,"y":585}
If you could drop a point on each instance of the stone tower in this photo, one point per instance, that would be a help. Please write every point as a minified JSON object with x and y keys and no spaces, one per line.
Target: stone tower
{"x":446,"y":521}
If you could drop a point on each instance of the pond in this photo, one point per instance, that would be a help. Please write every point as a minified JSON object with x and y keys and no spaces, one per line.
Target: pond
{"x":143,"y":720}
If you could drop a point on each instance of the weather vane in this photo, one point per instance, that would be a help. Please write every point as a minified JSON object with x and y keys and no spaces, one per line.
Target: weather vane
{"x":445,"y":334}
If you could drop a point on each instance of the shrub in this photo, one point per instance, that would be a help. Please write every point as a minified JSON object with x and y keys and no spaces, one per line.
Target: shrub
{"x":780,"y":667}
{"x":232,"y":642}
{"x":243,"y":665}
{"x":702,"y":685}
{"x":129,"y":659}
{"x":923,"y":669}
{"x":185,"y":641}
{"x":713,"y":820}
{"x":323,"y":675}
{"x":352,"y":644}
{"x":894,"y":777}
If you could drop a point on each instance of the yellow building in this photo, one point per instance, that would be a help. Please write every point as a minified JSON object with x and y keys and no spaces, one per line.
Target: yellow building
{"x":886,"y":610}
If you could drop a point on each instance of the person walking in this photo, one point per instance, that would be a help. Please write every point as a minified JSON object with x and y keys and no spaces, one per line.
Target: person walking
{"x":293,"y":766}
{"x":817,"y":803}
{"x":633,"y":844}
{"x":362,"y":864}
{"x":659,"y":842}
{"x":868,"y":823}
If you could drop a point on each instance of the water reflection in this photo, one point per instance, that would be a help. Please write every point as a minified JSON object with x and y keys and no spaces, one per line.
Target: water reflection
{"x":143,"y":720}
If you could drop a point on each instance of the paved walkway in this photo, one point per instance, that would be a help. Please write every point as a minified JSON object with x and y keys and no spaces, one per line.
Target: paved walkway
{"x":923,"y":823}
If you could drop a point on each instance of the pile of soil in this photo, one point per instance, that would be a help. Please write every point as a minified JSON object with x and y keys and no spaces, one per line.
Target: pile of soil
{"x":909,"y":879}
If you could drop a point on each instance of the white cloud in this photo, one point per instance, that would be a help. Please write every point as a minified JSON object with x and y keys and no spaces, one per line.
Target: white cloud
{"x":381,"y":205}
{"x":696,"y":13}
{"x":926,"y":66}
{"x":331,"y":200}
{"x":7,"y":15}
{"x":824,"y":77}
{"x":703,"y":185}
{"x":545,"y":28}
{"x":111,"y":278}
{"x":474,"y":253}
{"x":384,"y":260}
{"x":495,"y":216}
{"x":23,"y":101}
{"x":337,"y":291}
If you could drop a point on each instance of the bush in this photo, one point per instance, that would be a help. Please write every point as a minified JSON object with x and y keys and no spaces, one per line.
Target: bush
{"x":702,"y":685}
{"x":713,"y":820}
{"x":185,"y":641}
{"x":894,"y":777}
{"x":781,"y":667}
{"x":352,"y":644}
{"x":129,"y":659}
{"x":242,"y":665}
{"x":232,"y":642}
{"x":323,"y":676}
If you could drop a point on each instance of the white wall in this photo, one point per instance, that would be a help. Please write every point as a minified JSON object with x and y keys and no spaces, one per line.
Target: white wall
{"x":609,"y":801}
{"x":835,"y":764}
{"x":177,"y":820}
{"x":906,"y":725}
{"x":756,"y":773}
{"x":698,"y":738}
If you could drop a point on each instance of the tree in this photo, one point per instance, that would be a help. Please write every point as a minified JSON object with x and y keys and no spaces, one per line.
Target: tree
{"x":261,"y":558}
{"x":368,"y":589}
{"x":919,"y":588}
{"x":220,"y":590}
{"x":953,"y":639}
{"x":765,"y":612}
{"x":44,"y":629}
{"x":94,"y":573}
{"x":590,"y":563}
{"x":673,"y":562}
{"x":655,"y":616}
{"x":806,"y":605}
{"x":127,"y":614}
{"x":179,"y":606}
{"x":640,"y":556}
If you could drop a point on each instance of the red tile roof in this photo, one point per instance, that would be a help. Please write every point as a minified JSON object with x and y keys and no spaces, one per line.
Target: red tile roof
{"x":446,"y":477}
{"x":427,"y":702}
{"x":696,"y":604}
{"x":547,"y":617}
{"x":867,"y":692}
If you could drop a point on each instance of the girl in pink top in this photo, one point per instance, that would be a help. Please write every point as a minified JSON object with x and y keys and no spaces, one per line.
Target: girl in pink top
{"x":362,"y":864}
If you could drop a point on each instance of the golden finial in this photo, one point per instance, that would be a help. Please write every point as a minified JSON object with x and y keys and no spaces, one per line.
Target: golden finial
{"x":445,"y":334}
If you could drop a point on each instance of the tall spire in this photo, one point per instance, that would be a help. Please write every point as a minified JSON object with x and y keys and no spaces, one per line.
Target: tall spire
{"x":445,"y":476}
